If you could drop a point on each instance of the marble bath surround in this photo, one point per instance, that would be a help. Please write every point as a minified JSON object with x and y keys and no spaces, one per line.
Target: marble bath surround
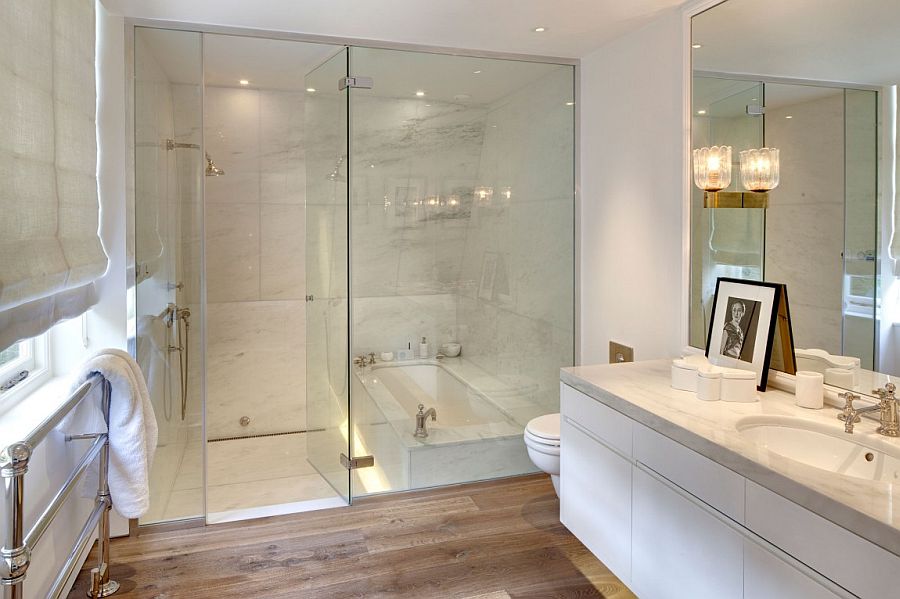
{"x":642,"y":392}
{"x":479,"y":426}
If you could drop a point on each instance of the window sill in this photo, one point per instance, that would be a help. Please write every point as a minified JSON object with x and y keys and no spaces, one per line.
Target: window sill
{"x":27,"y":412}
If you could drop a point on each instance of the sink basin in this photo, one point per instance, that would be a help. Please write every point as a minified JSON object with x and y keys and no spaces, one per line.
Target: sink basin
{"x":825,"y":447}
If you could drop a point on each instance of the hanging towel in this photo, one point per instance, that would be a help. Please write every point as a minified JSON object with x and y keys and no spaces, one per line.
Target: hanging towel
{"x":132,"y":427}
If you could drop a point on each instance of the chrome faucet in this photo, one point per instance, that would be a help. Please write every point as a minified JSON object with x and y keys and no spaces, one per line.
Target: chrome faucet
{"x":887,"y":405}
{"x":364,"y":360}
{"x":421,"y":418}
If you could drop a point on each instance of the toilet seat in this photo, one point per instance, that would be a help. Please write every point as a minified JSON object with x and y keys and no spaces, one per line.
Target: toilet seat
{"x":535,"y":441}
{"x":544,"y":429}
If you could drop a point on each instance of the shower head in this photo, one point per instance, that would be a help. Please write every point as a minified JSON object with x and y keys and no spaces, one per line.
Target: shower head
{"x":211,"y":169}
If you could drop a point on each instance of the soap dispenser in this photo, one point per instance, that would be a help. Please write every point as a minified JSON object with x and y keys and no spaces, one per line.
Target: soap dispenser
{"x":423,"y":348}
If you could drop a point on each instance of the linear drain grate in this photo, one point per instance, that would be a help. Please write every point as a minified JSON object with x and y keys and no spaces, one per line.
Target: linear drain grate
{"x":314,"y":430}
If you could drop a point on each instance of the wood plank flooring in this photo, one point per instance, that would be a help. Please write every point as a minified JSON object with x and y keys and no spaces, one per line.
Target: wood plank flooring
{"x":492,"y":540}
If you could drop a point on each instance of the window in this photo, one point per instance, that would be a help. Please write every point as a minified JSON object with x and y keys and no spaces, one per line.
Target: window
{"x":28,"y":356}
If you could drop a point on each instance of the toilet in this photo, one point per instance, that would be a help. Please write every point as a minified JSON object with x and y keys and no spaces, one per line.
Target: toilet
{"x":542,"y":441}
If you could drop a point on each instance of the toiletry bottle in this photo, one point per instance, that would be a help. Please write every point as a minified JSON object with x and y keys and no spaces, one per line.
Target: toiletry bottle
{"x":423,"y":348}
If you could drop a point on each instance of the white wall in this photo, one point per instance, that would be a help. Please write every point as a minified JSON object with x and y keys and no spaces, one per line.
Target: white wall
{"x":631,"y":203}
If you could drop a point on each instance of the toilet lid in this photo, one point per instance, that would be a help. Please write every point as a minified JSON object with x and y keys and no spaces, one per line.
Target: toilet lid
{"x":545,"y":427}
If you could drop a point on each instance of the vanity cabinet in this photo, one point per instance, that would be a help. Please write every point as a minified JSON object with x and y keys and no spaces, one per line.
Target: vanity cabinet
{"x":672,"y":523}
{"x":595,"y":480}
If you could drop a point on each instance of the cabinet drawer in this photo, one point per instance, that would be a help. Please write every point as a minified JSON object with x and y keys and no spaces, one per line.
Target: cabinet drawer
{"x":852,"y":562}
{"x":714,"y":484}
{"x":767,"y":577}
{"x":595,"y":499}
{"x":603,"y":422}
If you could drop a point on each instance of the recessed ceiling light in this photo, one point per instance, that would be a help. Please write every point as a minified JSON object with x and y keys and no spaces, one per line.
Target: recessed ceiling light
{"x":789,"y":117}
{"x":695,"y":45}
{"x":476,"y":72}
{"x":244,"y":82}
{"x":420,"y":93}
{"x":570,"y":103}
{"x":371,"y":166}
{"x":428,"y":105}
{"x":701,"y":112}
{"x":311,"y":90}
{"x":539,"y":29}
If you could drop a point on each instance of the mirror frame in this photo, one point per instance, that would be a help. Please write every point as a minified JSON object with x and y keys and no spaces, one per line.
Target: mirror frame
{"x":777,"y":379}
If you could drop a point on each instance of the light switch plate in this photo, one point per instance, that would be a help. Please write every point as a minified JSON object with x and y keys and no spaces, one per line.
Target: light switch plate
{"x":619,"y":353}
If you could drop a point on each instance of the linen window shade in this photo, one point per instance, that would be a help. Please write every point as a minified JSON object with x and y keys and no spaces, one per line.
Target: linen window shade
{"x":50,"y":251}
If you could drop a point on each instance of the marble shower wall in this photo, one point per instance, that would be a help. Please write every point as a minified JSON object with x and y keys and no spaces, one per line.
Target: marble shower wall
{"x":407,"y":252}
{"x":805,"y":219}
{"x":255,"y":264}
{"x":516,"y":290}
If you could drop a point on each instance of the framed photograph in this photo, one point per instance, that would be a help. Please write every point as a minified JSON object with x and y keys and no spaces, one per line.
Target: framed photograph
{"x":742,"y":328}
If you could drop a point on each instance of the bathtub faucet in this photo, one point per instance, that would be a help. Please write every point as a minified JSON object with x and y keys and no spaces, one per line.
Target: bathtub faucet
{"x":421,"y":418}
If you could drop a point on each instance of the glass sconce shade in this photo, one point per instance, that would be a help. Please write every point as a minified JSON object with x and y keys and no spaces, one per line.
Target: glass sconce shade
{"x":760,"y":169}
{"x":712,"y":168}
{"x":484,"y":194}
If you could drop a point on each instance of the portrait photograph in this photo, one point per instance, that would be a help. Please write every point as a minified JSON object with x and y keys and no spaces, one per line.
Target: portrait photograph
{"x":742,"y":325}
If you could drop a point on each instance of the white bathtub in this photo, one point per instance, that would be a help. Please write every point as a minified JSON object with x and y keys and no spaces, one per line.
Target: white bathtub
{"x":472,"y":438}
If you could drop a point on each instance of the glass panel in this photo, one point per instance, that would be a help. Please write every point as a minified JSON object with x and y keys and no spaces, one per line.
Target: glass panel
{"x":860,"y":225}
{"x":327,"y":315}
{"x":167,"y":233}
{"x":725,"y":242}
{"x":462,"y":231}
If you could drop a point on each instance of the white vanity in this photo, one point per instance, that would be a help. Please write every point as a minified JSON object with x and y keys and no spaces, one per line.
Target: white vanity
{"x":685,"y":498}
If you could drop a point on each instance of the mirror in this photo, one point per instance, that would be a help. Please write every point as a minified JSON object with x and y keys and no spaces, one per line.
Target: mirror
{"x":815,"y":79}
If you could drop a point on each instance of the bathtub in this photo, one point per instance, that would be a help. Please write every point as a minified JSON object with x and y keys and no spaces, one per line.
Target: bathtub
{"x":473,"y":437}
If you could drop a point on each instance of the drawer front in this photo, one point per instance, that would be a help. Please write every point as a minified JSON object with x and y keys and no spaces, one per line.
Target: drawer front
{"x":767,"y":577}
{"x":595,"y":499}
{"x":714,"y":484}
{"x":852,"y":562}
{"x":681,"y":549}
{"x":603,"y":422}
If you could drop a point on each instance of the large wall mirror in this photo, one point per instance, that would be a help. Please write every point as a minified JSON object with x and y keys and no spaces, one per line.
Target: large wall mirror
{"x":815,"y":79}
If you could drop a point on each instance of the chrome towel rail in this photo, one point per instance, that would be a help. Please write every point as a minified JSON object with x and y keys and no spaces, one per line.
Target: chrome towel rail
{"x":15,"y":555}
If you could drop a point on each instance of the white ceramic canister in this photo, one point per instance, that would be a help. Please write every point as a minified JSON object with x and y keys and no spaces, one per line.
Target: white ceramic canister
{"x":739,"y":385}
{"x":684,"y":375}
{"x":809,"y":391}
{"x":709,"y":384}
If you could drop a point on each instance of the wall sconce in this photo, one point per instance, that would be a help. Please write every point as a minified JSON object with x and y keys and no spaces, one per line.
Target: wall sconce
{"x":759,"y":175}
{"x":712,"y":168}
{"x":760,"y":169}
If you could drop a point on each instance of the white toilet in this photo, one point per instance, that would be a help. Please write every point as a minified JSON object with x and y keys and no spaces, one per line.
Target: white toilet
{"x":542,"y":441}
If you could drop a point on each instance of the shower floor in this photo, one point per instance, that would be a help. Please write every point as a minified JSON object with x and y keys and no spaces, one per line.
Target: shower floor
{"x":247,"y":478}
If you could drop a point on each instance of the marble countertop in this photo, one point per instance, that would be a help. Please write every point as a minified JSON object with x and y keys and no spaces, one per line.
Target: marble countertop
{"x":642,"y":391}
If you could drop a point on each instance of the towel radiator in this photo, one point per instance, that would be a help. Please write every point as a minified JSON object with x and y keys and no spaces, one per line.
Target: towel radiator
{"x":15,"y":554}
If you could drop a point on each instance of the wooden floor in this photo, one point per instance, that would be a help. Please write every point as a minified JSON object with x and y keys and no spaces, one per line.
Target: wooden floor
{"x":492,"y":540}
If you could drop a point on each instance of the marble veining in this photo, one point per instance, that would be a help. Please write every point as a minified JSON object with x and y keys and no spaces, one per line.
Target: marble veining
{"x":642,"y":392}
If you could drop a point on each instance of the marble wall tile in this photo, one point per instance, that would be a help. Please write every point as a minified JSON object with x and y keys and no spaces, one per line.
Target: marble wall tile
{"x":282,"y":251}
{"x":231,"y":123}
{"x":232,"y":252}
{"x":282,"y":157}
{"x":255,"y":367}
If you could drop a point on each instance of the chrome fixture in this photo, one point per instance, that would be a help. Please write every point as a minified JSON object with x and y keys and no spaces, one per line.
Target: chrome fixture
{"x":335,"y":174}
{"x":245,"y":421}
{"x":182,"y":317}
{"x":364,"y":360}
{"x":421,"y":418}
{"x":171,"y":144}
{"x":211,"y":169}
{"x":887,"y":405}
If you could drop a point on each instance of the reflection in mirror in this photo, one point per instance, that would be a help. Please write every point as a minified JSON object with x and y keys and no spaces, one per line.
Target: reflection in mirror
{"x":825,"y":96}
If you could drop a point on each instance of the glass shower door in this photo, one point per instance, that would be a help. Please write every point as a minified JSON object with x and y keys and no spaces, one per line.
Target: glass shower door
{"x":327,"y":274}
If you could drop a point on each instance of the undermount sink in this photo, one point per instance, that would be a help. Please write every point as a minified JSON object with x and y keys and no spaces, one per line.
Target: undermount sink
{"x":825,"y":447}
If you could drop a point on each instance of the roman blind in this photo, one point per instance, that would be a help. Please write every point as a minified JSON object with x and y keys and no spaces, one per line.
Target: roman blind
{"x":50,"y":251}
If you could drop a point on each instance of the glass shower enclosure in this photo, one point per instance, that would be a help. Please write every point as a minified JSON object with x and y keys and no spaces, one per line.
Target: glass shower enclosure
{"x":367,"y":255}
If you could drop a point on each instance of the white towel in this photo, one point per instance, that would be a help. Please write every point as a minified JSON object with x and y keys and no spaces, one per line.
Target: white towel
{"x":132,"y":428}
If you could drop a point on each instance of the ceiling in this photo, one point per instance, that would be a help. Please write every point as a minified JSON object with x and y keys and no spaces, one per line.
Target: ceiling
{"x":574,"y":27}
{"x":843,"y":41}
